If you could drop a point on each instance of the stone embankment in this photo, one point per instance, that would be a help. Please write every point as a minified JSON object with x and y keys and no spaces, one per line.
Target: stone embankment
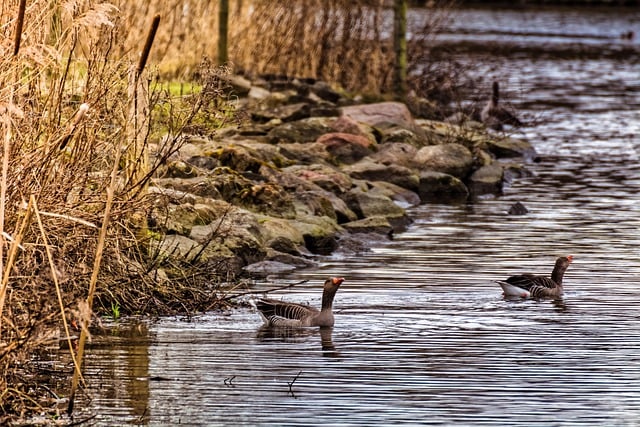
{"x":313,"y":171}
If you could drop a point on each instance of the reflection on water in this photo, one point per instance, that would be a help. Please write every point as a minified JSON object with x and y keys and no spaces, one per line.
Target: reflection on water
{"x":422,"y":334}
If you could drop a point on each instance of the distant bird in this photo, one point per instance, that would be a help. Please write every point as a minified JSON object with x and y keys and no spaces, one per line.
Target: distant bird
{"x":291,"y":315}
{"x":627,"y":35}
{"x":494,"y":115}
{"x":530,"y":285}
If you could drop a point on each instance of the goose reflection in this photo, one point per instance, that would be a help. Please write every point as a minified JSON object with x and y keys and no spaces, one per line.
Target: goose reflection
{"x":298,"y":335}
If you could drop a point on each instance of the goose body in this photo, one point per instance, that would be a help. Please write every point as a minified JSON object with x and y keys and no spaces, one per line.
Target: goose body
{"x":534,"y":286}
{"x":494,"y":115}
{"x":293,"y":315}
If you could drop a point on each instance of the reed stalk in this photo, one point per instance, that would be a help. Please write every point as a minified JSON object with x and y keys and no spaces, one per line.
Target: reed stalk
{"x":8,"y":123}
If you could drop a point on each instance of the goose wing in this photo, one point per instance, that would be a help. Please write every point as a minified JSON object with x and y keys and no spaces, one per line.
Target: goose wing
{"x":529,"y":281}
{"x":536,"y":286}
{"x":278,"y":312}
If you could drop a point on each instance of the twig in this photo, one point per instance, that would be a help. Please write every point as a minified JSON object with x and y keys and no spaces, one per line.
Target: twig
{"x":291,"y":285}
{"x":229,"y":381}
{"x":291,"y":383}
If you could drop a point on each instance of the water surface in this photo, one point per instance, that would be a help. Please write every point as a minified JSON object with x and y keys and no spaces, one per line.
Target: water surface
{"x":422,"y":335}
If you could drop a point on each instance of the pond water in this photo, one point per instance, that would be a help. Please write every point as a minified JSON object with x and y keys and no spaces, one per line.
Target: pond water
{"x":423,"y":335}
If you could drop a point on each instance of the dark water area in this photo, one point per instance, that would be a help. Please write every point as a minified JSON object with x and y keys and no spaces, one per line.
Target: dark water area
{"x":423,"y":335}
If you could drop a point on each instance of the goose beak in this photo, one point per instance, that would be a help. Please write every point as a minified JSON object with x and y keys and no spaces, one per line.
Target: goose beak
{"x":570,"y":258}
{"x":337,"y":280}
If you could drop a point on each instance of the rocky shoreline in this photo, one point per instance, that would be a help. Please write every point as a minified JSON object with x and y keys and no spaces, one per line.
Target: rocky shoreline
{"x":313,"y":171}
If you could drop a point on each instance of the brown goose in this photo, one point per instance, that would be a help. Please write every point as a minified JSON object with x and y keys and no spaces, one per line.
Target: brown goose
{"x":494,"y":115}
{"x":291,"y":315}
{"x":530,"y":285}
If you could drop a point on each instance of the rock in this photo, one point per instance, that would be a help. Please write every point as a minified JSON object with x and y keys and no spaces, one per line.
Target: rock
{"x":324,"y":91}
{"x":359,"y":242}
{"x":441,"y":187}
{"x":306,"y":153}
{"x":324,"y":111}
{"x":240,"y":85}
{"x":177,"y":219}
{"x":282,"y":234}
{"x":374,"y":224}
{"x":258,"y":93}
{"x":398,"y":153}
{"x":164,"y":196}
{"x":453,"y":159}
{"x":323,"y":204}
{"x":382,"y":114}
{"x":320,"y":233}
{"x":202,"y":162}
{"x":395,"y":174}
{"x":401,"y":196}
{"x":177,"y":247}
{"x":268,"y":267}
{"x":315,"y":204}
{"x":180,"y":169}
{"x":232,"y":237}
{"x":324,"y":176}
{"x":286,"y":258}
{"x":248,"y":156}
{"x":422,"y":107}
{"x":306,"y":130}
{"x":345,"y":147}
{"x":515,"y":170}
{"x":345,"y":124}
{"x":374,"y":203}
{"x":510,"y":147}
{"x":518,"y":209}
{"x":285,"y":113}
{"x":486,"y":180}
{"x":401,"y":135}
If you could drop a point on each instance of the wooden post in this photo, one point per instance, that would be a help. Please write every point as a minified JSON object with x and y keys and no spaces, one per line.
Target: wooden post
{"x":400,"y":48}
{"x":223,"y":32}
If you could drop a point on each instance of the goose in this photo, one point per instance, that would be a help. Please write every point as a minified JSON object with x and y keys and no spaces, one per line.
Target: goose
{"x":530,"y":285}
{"x":292,"y":315}
{"x":494,"y":115}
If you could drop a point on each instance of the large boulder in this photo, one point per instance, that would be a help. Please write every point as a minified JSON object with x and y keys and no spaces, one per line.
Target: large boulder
{"x":441,"y":187}
{"x":346,"y":147}
{"x":305,"y":153}
{"x":285,"y":113}
{"x":320,"y":233}
{"x":398,"y":153}
{"x":453,"y":159}
{"x":486,"y":180}
{"x":306,"y":130}
{"x":382,"y":114}
{"x":401,"y":196}
{"x":374,"y":224}
{"x":509,"y":147}
{"x":324,"y":176}
{"x":372,"y":203}
{"x":345,"y":124}
{"x":395,"y":174}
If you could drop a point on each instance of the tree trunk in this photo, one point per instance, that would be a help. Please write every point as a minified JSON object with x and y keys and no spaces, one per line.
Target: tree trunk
{"x":400,"y":48}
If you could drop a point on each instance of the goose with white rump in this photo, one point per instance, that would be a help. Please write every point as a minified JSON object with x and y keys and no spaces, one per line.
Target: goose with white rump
{"x":536,"y":286}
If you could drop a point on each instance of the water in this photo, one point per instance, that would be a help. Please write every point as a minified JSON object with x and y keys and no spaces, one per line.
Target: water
{"x":422,"y":335}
